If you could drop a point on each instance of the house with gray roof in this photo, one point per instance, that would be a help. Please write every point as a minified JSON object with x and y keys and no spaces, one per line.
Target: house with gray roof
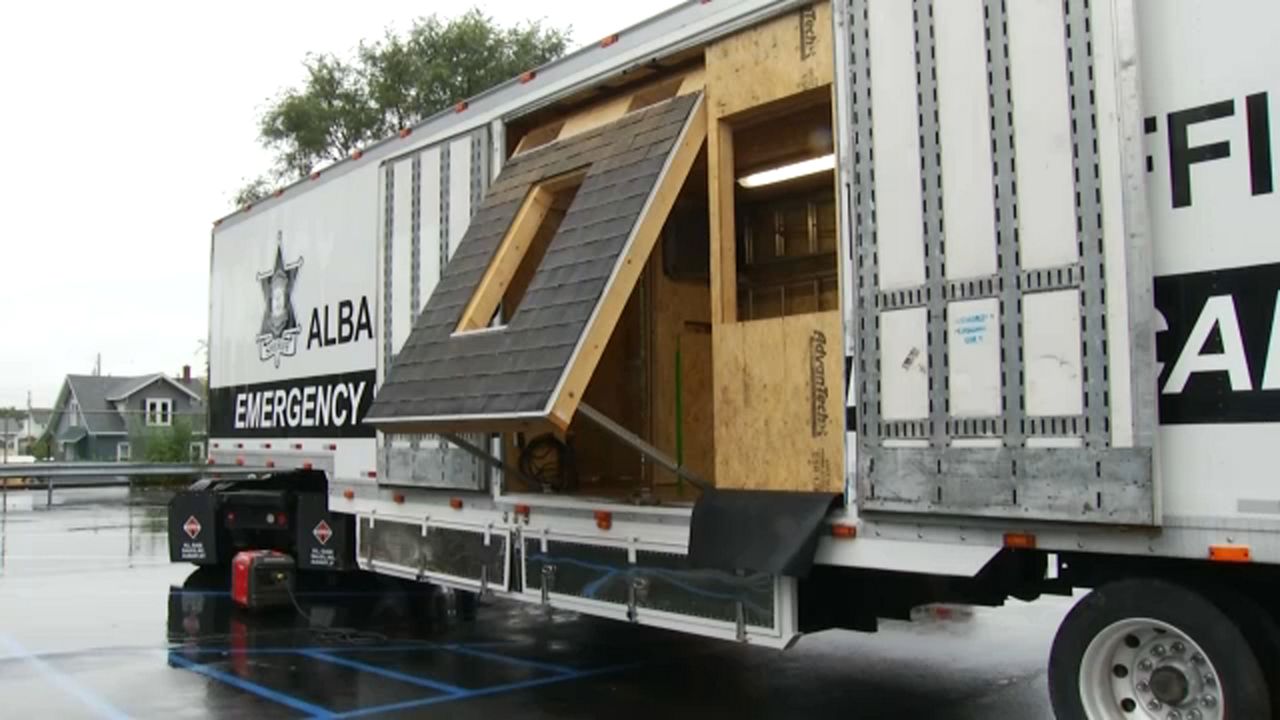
{"x":95,"y":414}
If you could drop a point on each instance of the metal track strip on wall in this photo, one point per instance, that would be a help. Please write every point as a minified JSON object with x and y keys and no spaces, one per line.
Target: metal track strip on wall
{"x":1044,"y":451}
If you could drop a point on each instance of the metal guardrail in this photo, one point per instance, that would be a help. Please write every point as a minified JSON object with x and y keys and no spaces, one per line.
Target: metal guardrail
{"x":42,"y":470}
{"x":45,"y":475}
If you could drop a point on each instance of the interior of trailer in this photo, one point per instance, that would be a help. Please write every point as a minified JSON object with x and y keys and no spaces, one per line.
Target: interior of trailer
{"x":713,"y":353}
{"x":775,"y":246}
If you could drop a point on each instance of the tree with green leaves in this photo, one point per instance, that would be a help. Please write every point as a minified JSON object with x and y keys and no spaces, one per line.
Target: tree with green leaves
{"x":42,"y":449}
{"x":156,"y":444}
{"x":390,"y":84}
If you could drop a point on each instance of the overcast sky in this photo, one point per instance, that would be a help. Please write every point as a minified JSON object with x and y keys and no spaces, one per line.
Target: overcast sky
{"x":127,"y":127}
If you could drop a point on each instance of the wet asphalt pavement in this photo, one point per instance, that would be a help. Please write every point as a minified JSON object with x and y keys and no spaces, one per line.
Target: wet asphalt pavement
{"x":95,"y":622}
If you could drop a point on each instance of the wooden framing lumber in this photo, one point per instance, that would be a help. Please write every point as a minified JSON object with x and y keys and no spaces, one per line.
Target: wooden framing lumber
{"x":515,"y":246}
{"x":632,"y":262}
{"x":603,"y":112}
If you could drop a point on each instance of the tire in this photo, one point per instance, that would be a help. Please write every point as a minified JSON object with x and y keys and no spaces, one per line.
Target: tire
{"x":1261,"y":631}
{"x":1132,"y":643}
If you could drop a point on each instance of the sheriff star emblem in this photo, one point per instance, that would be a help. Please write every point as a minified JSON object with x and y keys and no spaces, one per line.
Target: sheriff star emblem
{"x":280,"y":330}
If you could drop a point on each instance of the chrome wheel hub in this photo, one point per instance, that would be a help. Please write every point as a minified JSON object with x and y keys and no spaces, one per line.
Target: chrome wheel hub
{"x":1148,"y":670}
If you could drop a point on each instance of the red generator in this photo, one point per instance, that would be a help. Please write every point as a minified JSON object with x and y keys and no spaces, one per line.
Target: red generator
{"x":261,"y":579}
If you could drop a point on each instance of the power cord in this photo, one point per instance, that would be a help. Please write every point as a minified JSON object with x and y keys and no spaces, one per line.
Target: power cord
{"x":550,"y":461}
{"x":334,"y":635}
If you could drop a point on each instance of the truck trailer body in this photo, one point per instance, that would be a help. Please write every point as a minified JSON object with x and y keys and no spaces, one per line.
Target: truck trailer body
{"x":762,"y":317}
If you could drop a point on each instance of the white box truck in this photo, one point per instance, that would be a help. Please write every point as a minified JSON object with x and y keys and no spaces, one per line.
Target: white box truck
{"x":763,"y":317}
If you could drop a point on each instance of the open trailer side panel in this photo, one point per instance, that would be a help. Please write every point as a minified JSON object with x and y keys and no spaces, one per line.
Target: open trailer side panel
{"x":1002,"y":277}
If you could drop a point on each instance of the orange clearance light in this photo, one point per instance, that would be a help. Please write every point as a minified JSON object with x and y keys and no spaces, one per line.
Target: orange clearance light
{"x":349,"y":494}
{"x":239,"y":461}
{"x":462,"y":105}
{"x":528,"y":75}
{"x":523,"y":510}
{"x":604,"y":519}
{"x":1229,"y":553}
{"x":398,"y":498}
{"x":271,"y":463}
{"x":315,"y":175}
{"x":406,"y":132}
{"x":306,"y":466}
{"x":357,"y":154}
{"x":609,"y":40}
{"x":1020,"y":541}
{"x":455,"y":503}
{"x":844,"y":532}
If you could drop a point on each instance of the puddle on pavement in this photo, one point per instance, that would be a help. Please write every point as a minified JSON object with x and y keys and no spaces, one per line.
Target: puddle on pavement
{"x":86,"y":528}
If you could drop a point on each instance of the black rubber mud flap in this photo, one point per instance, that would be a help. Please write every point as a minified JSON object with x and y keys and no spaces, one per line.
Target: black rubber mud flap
{"x":757,"y":530}
{"x":193,"y":527}
{"x":326,"y":541}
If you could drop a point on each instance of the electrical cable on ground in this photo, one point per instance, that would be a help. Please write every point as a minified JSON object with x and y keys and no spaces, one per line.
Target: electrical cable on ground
{"x":334,"y":635}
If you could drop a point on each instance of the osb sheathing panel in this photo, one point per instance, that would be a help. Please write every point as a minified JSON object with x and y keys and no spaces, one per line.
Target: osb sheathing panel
{"x":785,"y":56}
{"x":682,"y":322}
{"x":779,"y":415}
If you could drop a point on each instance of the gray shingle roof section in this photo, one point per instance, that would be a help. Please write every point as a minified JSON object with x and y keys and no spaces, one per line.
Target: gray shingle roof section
{"x":126,"y":389}
{"x":92,"y":392}
{"x":515,"y":370}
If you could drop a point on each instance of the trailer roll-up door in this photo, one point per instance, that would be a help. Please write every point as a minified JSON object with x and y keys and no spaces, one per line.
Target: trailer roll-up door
{"x":990,"y":161}
{"x":508,"y":339}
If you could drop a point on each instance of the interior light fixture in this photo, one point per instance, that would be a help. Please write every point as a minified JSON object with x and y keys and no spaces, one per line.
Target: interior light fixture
{"x":772,"y":176}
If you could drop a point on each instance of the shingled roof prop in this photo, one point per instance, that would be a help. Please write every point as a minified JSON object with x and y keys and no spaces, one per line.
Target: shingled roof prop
{"x":536,"y":367}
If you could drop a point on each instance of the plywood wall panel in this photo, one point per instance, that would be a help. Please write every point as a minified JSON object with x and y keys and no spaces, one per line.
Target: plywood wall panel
{"x":785,"y":56}
{"x":779,"y":415}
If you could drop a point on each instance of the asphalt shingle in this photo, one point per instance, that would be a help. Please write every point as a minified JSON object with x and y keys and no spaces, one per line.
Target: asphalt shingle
{"x":516,"y":369}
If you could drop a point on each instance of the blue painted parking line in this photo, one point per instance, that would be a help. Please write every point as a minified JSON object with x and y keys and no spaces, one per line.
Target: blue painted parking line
{"x":449,"y":693}
{"x":494,"y":690}
{"x":335,"y":649}
{"x":249,"y":687}
{"x":294,"y":649}
{"x":95,"y":702}
{"x":549,"y":667}
{"x":384,"y":672}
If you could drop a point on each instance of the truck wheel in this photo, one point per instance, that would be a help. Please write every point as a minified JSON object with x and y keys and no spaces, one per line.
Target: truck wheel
{"x":1262,"y":633}
{"x":1150,"y":649}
